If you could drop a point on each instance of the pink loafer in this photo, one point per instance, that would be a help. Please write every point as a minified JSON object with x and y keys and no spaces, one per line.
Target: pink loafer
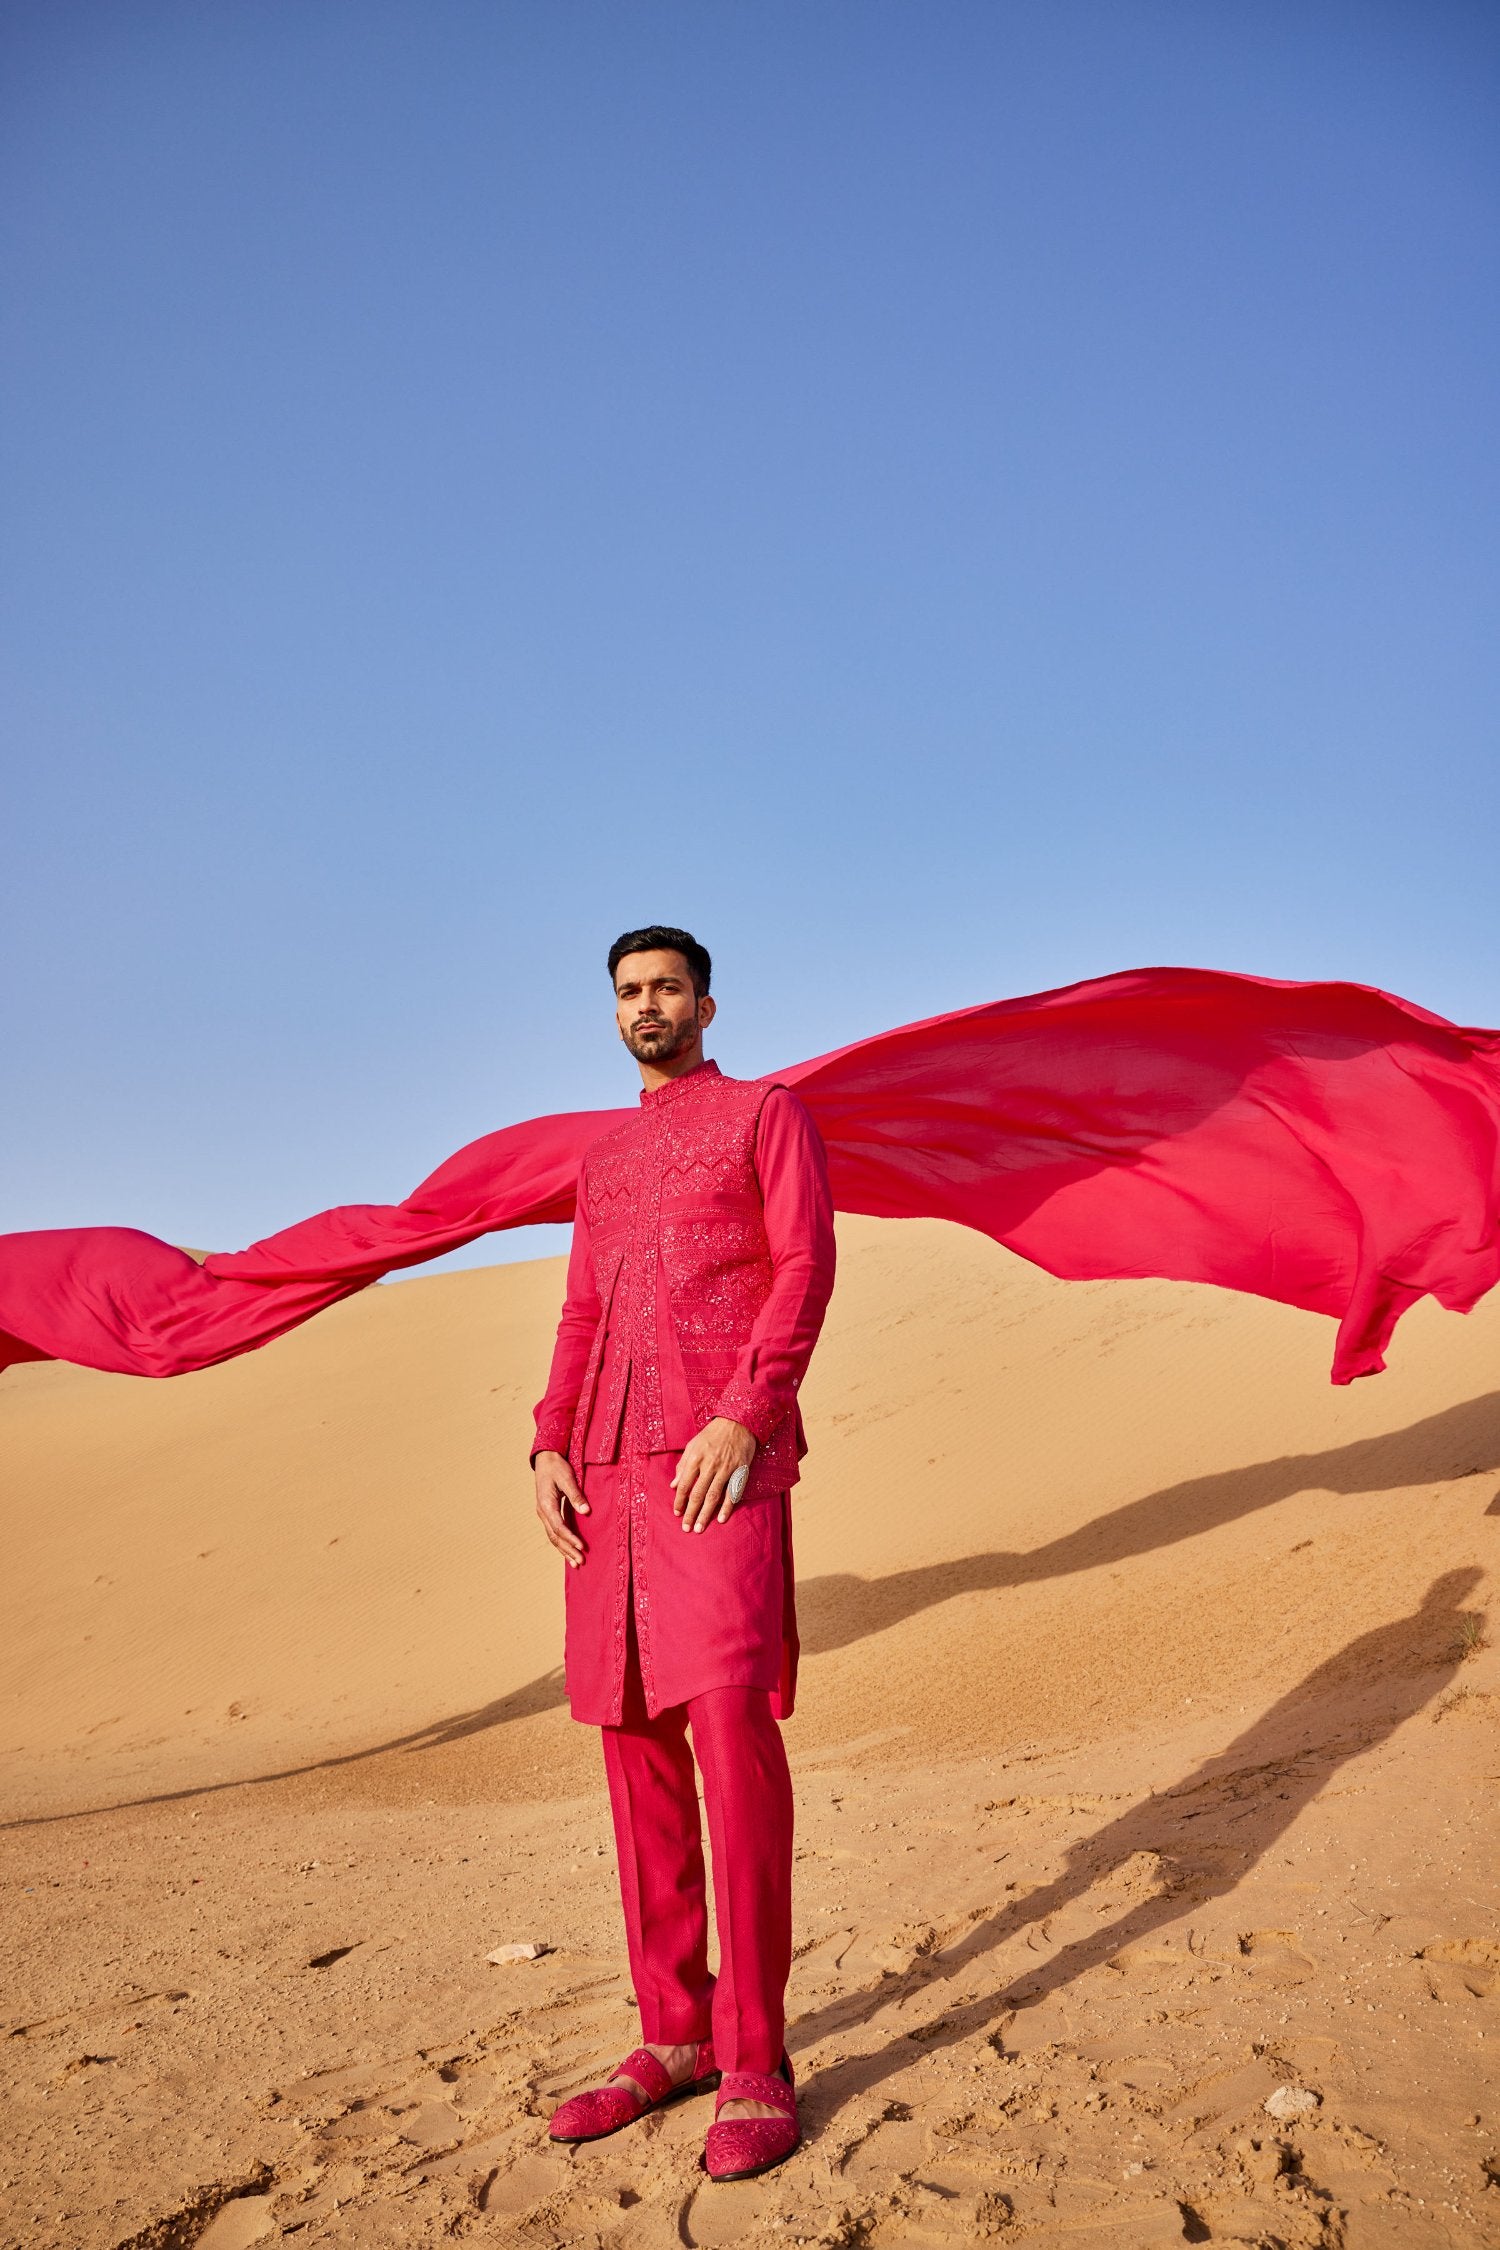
{"x":742,"y":2146}
{"x":605,"y":2109}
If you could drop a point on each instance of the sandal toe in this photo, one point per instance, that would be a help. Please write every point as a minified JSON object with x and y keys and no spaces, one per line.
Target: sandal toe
{"x":587,"y":2116}
{"x":741,"y":2145}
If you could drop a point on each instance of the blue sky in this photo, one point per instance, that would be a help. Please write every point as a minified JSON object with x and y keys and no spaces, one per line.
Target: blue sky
{"x":942,"y":499}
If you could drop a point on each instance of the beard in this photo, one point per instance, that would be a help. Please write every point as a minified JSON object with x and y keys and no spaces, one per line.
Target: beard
{"x":659,"y":1042}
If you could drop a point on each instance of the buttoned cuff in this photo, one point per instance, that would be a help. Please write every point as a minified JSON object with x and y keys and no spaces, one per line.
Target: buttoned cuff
{"x":743,"y":1403}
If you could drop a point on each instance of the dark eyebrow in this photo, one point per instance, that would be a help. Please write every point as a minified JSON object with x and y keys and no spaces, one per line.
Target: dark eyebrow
{"x":634,"y":984}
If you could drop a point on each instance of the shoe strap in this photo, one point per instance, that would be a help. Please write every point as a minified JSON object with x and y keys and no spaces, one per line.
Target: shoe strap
{"x":649,"y":2073}
{"x":757,"y":2086}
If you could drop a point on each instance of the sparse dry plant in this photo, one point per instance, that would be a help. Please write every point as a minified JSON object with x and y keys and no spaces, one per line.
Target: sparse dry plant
{"x":1472,"y":1636}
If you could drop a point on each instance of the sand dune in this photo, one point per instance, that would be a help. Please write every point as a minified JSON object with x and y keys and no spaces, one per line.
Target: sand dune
{"x":1147,"y":1760}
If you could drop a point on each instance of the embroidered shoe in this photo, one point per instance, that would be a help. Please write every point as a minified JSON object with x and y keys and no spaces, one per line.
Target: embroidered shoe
{"x":739,"y":2147}
{"x":605,"y":2109}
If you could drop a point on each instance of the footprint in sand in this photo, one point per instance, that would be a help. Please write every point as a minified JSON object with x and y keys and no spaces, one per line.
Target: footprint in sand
{"x":935,"y":2193}
{"x":891,"y":1951}
{"x":234,"y":2226}
{"x":317,"y":2195}
{"x":510,"y":2193}
{"x":1092,"y":2217}
{"x":1137,"y":2073}
{"x":716,"y":2217}
{"x":1237,"y":2094}
{"x":475,"y":2091}
{"x":1149,"y":1956}
{"x":1274,"y":1958}
{"x":476,"y":2156}
{"x":1459,"y":1968}
{"x":361,"y":2121}
{"x":430,"y":2125}
{"x":898,"y":2146}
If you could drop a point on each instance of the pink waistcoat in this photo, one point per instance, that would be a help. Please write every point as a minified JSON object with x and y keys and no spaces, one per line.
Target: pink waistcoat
{"x":675,"y":1188}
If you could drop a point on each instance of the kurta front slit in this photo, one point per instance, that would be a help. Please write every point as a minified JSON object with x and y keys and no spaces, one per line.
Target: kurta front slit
{"x":701,"y":1266}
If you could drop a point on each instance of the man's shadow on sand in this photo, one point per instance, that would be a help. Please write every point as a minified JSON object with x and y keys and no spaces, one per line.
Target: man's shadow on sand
{"x":1240,"y":1803}
{"x":1462,"y":1441}
{"x":838,"y":1609}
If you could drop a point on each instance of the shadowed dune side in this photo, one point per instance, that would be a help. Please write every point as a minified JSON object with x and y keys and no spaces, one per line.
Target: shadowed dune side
{"x":839,"y":1609}
{"x":1462,"y":1442}
{"x":1030,"y":1506}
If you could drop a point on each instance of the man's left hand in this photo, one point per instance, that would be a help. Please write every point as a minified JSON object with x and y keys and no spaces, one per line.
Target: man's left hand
{"x":708,"y":1462}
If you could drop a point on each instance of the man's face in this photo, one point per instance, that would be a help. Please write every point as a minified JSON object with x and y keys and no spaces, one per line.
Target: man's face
{"x":656,"y":1008}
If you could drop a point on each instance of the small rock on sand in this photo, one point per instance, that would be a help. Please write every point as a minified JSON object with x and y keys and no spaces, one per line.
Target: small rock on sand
{"x":527,"y":1952}
{"x":1290,"y":2101}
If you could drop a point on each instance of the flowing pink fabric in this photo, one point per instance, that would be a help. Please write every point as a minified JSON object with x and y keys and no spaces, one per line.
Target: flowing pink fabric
{"x":1326,"y":1145}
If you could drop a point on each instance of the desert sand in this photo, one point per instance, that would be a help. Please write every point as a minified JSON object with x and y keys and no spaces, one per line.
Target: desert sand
{"x":1147,"y":1762}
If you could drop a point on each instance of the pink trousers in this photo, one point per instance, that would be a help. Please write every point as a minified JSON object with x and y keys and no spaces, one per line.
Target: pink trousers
{"x":747,"y":1792}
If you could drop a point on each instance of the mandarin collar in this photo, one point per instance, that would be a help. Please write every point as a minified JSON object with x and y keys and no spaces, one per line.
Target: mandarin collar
{"x":653,"y":1097}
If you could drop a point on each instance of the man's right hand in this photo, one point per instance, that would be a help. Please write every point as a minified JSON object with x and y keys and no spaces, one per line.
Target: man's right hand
{"x":556,"y":1493}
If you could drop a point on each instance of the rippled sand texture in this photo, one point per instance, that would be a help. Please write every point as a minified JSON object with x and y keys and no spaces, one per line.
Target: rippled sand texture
{"x":1147,"y":1765}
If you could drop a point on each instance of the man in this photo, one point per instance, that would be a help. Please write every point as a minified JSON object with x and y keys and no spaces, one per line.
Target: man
{"x":666,"y":1448}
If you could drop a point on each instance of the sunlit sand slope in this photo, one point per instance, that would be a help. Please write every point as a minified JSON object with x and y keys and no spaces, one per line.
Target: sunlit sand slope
{"x":1146,"y":1748}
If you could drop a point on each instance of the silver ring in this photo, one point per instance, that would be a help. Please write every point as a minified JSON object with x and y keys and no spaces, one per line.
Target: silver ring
{"x":736,"y":1485}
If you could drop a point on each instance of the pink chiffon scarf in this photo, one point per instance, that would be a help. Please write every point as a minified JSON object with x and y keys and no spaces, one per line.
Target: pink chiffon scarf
{"x":1326,"y":1145}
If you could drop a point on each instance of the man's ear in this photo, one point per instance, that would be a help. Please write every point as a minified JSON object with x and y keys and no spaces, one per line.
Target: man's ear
{"x":706,"y":1011}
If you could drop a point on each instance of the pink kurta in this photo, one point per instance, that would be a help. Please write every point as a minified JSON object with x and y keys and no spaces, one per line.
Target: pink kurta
{"x":702,"y":1264}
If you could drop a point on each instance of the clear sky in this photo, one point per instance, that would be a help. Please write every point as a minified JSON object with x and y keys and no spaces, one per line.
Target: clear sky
{"x":943,"y":497}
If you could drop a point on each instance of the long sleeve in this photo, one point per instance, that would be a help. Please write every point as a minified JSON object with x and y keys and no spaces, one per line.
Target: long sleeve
{"x":792,"y":1170}
{"x":576,"y":1329}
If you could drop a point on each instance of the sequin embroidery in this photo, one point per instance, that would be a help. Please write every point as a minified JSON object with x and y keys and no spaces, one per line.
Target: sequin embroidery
{"x":676,"y":1183}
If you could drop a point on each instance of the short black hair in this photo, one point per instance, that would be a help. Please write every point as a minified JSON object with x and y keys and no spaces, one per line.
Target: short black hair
{"x":658,"y":938}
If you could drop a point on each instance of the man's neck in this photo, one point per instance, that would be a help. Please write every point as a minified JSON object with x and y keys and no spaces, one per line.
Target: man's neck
{"x":662,"y":1074}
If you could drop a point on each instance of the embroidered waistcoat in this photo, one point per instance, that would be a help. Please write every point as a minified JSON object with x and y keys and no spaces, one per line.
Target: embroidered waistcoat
{"x":676,"y":1184}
